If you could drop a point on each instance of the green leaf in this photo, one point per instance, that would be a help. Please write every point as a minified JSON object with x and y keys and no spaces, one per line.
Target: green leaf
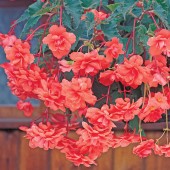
{"x":32,"y":9}
{"x":74,"y":9}
{"x":43,"y":11}
{"x":134,"y":124}
{"x":109,"y":29}
{"x":29,"y":24}
{"x":141,"y":35}
{"x":151,"y":29}
{"x":161,"y":13}
{"x":126,"y":7}
{"x":78,"y":32}
{"x":113,"y":7}
{"x":89,"y":21}
{"x":67,"y":20}
{"x":90,"y":3}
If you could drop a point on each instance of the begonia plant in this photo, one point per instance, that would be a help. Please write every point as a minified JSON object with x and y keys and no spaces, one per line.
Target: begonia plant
{"x":95,"y":63}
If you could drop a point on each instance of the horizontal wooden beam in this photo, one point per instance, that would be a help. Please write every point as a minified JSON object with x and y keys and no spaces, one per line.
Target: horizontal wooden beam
{"x":15,"y":123}
{"x":15,"y":3}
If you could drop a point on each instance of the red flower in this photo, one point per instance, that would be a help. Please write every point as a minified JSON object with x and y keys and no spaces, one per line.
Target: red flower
{"x":77,"y":93}
{"x":160,"y":43}
{"x":107,"y":77}
{"x":166,"y":150}
{"x":74,"y":153}
{"x":19,"y":54}
{"x":59,"y":41}
{"x":167,"y":94}
{"x":125,"y":139}
{"x":92,"y":141}
{"x":65,"y":66}
{"x":7,"y":40}
{"x":132,"y":73}
{"x":159,"y":71}
{"x":144,"y":148}
{"x":23,"y":81}
{"x":99,"y":15}
{"x":26,"y":107}
{"x":157,"y":150}
{"x":114,"y":49}
{"x":90,"y":63}
{"x":50,"y":91}
{"x":154,"y":108}
{"x":99,"y":118}
{"x":44,"y":136}
{"x":123,"y":110}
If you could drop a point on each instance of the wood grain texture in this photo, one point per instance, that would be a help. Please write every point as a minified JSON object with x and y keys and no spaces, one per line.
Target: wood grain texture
{"x":32,"y":159}
{"x":15,"y":154}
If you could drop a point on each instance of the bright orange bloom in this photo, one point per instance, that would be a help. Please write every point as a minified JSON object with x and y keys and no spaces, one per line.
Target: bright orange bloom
{"x":160,"y":43}
{"x":107,"y":77}
{"x":59,"y":41}
{"x":166,"y":150}
{"x":89,"y":63}
{"x":92,"y":141}
{"x":77,"y":93}
{"x":159,"y":71}
{"x":144,"y":149}
{"x":46,"y":136}
{"x":49,"y":91}
{"x":19,"y":54}
{"x":132,"y":73}
{"x":26,"y":107}
{"x":99,"y":118}
{"x":125,"y":140}
{"x":154,"y":108}
{"x":114,"y":49}
{"x":23,"y":81}
{"x":7,"y":40}
{"x":98,"y":15}
{"x":123,"y":110}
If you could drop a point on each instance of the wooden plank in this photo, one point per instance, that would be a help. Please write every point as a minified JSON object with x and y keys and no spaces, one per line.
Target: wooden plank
{"x":15,"y":3}
{"x":33,"y":159}
{"x":9,"y":149}
{"x":154,"y":161}
{"x":124,"y":159}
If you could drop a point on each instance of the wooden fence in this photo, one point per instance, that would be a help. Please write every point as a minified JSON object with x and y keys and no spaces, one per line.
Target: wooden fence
{"x":15,"y":153}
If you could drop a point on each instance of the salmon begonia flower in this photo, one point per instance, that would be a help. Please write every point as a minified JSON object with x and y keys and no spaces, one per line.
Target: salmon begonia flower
{"x":19,"y":54}
{"x":113,"y":49}
{"x":99,"y":118}
{"x":7,"y":40}
{"x":23,"y":81}
{"x":98,"y":15}
{"x":132,"y":73}
{"x":50,"y":91}
{"x":26,"y":107}
{"x":88,"y":64}
{"x":92,"y":141}
{"x":123,"y":109}
{"x":160,"y":43}
{"x":144,"y":149}
{"x":46,"y":136}
{"x":159,"y":71}
{"x":125,"y":140}
{"x":59,"y":41}
{"x":107,"y":77}
{"x":77,"y":93}
{"x":154,"y":107}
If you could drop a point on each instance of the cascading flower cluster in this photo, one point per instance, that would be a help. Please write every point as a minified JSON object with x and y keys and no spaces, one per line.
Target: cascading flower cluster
{"x":68,"y":87}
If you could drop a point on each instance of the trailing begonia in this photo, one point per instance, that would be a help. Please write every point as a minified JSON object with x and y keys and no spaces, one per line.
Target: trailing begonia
{"x":96,"y":67}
